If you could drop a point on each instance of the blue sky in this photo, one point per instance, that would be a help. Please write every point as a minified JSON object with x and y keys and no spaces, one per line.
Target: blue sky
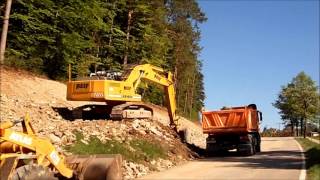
{"x":252,"y":48}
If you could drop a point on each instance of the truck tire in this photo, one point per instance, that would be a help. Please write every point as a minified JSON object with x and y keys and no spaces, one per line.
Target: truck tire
{"x":30,"y":172}
{"x":211,"y":149}
{"x":253,"y":141}
{"x":249,"y":149}
{"x":258,"y":146}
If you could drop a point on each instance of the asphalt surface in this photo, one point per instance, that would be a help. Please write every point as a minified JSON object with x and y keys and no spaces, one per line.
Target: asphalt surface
{"x":280,"y":158}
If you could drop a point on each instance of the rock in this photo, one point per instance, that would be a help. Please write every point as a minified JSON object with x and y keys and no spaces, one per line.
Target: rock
{"x":3,"y":98}
{"x":84,"y":141}
{"x":64,"y":140}
{"x":114,"y":131}
{"x":142,"y":132}
{"x":155,"y":131}
{"x":54,"y":138}
{"x":135,"y":124}
{"x":132,"y":166}
{"x":123,"y":126}
{"x":58,"y":133}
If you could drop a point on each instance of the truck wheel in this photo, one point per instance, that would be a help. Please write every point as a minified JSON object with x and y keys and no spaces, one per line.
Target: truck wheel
{"x":250,"y":151}
{"x":211,"y":149}
{"x":30,"y":172}
{"x":253,"y":144}
{"x":251,"y":147}
{"x":246,"y":152}
{"x":258,"y":147}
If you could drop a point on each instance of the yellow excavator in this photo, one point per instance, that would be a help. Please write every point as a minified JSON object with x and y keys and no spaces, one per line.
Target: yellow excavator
{"x":119,"y":91}
{"x":25,"y":156}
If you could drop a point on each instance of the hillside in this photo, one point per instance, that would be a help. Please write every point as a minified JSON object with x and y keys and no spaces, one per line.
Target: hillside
{"x":44,"y":100}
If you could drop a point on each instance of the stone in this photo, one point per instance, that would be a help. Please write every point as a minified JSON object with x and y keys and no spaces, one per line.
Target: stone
{"x":58,"y":133}
{"x":155,"y":131}
{"x":84,"y":141}
{"x":54,"y":138}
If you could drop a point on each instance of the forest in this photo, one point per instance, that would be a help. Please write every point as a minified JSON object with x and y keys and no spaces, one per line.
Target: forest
{"x":45,"y":36}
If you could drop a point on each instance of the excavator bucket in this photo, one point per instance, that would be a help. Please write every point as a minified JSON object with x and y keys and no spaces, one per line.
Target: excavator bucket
{"x":98,"y":167}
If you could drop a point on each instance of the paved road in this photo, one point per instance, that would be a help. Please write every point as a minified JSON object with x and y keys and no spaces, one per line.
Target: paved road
{"x":280,"y":158}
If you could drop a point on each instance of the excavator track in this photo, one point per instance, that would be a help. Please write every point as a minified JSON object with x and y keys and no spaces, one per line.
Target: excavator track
{"x":131,"y":110}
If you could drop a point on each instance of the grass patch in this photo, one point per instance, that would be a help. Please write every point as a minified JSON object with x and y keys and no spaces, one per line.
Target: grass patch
{"x":312,"y":158}
{"x":315,"y":137}
{"x":137,"y":150}
{"x":150,"y":150}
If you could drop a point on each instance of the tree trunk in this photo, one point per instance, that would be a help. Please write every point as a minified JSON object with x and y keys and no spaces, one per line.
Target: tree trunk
{"x":292,"y":128}
{"x":5,"y":30}
{"x":111,"y":32}
{"x":186,"y":98}
{"x":304,"y":128}
{"x":125,"y":59}
{"x":192,"y":92}
{"x":176,"y":85}
{"x":301,"y":126}
{"x":297,"y":128}
{"x":111,"y":28}
{"x":305,"y":119}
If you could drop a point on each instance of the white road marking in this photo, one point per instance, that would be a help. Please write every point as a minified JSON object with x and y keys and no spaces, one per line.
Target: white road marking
{"x":303,"y":168}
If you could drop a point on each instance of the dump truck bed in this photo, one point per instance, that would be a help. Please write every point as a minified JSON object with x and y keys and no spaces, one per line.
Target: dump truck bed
{"x":236,"y":120}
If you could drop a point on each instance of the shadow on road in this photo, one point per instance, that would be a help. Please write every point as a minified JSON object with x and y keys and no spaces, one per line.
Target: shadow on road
{"x":270,"y":140}
{"x":268,"y":159}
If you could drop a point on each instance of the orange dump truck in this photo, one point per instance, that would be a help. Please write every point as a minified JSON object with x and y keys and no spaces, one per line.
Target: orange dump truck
{"x":233,"y":128}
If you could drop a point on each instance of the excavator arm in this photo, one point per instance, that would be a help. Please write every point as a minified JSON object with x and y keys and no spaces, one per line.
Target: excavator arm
{"x":158,"y":76}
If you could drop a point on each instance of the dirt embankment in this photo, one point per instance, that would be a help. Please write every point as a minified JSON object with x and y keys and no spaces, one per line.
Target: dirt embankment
{"x":45,"y":101}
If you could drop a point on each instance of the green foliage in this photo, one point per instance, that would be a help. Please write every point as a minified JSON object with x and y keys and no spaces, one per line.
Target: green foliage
{"x":312,"y":158}
{"x":47,"y":35}
{"x":153,"y":94}
{"x":299,"y":100}
{"x":137,"y":150}
{"x":150,"y":150}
